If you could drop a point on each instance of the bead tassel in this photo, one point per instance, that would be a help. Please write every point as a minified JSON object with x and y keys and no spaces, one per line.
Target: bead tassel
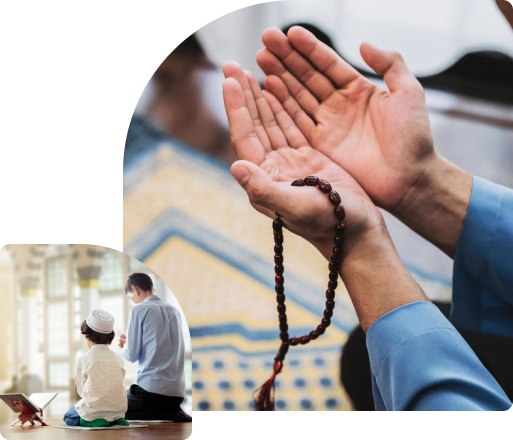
{"x":265,"y":397}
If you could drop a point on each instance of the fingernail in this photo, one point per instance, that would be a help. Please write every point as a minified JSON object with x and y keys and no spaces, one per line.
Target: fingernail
{"x":241,"y":175}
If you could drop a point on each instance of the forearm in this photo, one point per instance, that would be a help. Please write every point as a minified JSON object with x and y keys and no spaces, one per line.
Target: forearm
{"x":375,"y":277}
{"x":131,"y":354}
{"x":436,"y":206}
{"x":132,"y":348}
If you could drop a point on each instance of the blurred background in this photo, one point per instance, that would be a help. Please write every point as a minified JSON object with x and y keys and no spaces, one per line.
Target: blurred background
{"x":186,"y":218}
{"x":46,"y":292}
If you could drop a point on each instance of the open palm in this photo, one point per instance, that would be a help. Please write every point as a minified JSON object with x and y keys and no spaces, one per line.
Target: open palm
{"x":274,"y":152}
{"x":381,"y":137}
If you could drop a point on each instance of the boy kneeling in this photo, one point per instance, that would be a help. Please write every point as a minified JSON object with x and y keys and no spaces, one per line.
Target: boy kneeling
{"x":100,"y":375}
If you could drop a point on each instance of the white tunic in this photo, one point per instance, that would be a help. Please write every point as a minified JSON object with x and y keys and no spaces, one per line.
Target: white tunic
{"x":100,"y":375}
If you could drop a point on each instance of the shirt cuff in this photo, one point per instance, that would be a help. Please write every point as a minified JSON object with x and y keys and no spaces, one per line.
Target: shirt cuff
{"x":420,"y":362}
{"x":400,"y":324}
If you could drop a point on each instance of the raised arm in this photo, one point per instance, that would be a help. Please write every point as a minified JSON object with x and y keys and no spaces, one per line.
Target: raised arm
{"x":383,"y":292}
{"x":483,"y":275}
{"x":383,"y":139}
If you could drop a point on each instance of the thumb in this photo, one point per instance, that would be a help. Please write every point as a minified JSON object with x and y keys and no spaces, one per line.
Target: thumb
{"x":261,"y":189}
{"x":392,"y":67}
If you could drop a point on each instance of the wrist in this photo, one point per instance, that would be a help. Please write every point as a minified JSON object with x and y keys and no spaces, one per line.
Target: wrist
{"x":436,"y":205}
{"x":376,"y":279}
{"x":356,"y":239}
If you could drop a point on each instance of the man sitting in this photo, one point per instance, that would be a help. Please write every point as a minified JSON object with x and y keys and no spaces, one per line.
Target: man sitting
{"x":154,"y":339}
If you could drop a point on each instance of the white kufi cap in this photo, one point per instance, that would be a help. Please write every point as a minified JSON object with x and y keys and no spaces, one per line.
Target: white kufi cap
{"x":100,"y":321}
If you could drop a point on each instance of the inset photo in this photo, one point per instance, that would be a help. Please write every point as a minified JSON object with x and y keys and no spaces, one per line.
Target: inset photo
{"x":92,"y":339}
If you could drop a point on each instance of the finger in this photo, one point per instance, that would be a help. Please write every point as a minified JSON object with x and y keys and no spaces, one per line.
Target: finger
{"x":277,"y":87}
{"x":276,"y":41}
{"x":232,"y":70}
{"x":245,"y":141}
{"x":322,"y":57}
{"x":507,"y":10}
{"x":273,"y":130}
{"x":262,"y":191}
{"x":271,"y":65}
{"x":294,"y":136}
{"x":391,"y":65}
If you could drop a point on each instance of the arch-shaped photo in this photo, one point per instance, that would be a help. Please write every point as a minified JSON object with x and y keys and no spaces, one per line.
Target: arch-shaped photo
{"x":400,"y":117}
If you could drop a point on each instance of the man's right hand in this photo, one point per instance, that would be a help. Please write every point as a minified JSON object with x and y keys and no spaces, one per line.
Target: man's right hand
{"x":382,"y":138}
{"x":122,"y":341}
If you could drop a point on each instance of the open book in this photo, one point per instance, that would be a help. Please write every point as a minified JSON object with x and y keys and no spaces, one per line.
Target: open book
{"x":36,"y":402}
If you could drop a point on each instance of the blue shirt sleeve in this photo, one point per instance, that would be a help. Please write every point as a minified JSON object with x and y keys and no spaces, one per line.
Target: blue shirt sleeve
{"x":132,"y":351}
{"x":483,"y":264}
{"x":419,"y":361}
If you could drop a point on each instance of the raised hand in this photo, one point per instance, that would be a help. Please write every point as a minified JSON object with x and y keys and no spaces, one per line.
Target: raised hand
{"x":274,"y":152}
{"x":381,"y":137}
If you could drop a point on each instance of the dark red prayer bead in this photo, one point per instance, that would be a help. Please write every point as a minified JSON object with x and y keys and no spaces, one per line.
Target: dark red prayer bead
{"x":334,"y":197}
{"x":283,"y":349}
{"x":278,"y":239}
{"x":340,"y":212}
{"x":314,"y":334}
{"x":334,"y":265}
{"x":277,"y":225}
{"x":311,"y":181}
{"x":324,"y":186}
{"x":303,"y":340}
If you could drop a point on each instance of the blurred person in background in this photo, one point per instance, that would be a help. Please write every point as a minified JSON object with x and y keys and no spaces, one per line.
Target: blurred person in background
{"x":181,"y":103}
{"x":14,"y":388}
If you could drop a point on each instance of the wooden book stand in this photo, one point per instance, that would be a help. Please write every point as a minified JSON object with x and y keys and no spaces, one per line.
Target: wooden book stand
{"x":27,"y":415}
